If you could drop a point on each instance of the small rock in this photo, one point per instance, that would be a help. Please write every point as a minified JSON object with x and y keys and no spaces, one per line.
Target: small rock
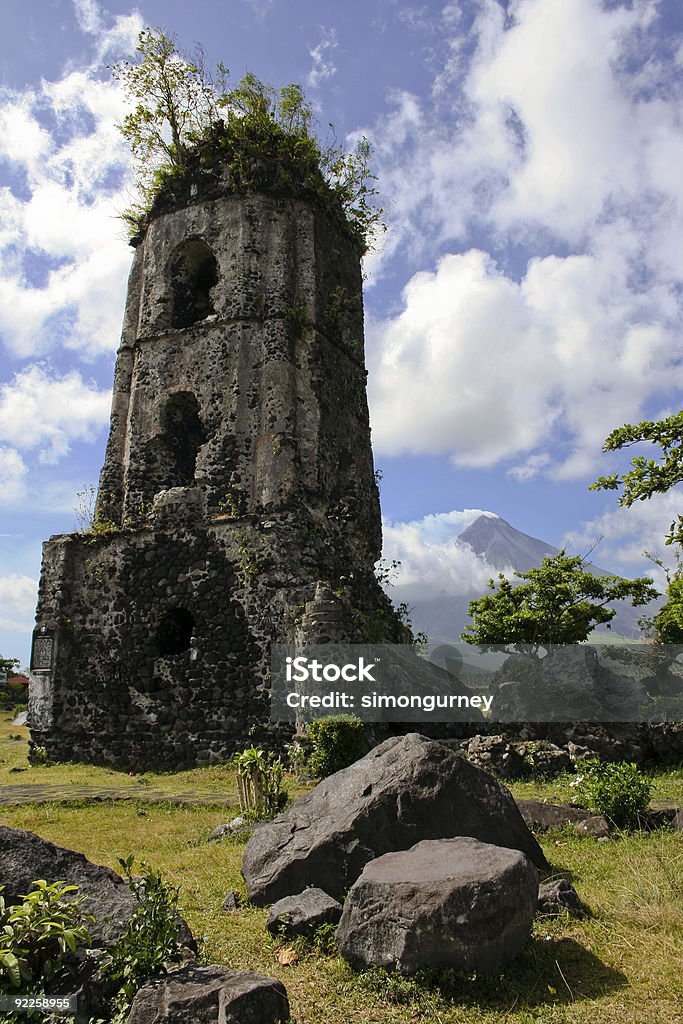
{"x":302,"y":914}
{"x":230,"y":828}
{"x":209,"y":995}
{"x":541,"y":817}
{"x":557,"y":897}
{"x":595,"y":826}
{"x":232,"y":901}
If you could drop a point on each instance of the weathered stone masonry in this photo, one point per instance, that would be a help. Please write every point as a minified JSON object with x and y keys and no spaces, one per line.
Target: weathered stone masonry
{"x":238,"y":475}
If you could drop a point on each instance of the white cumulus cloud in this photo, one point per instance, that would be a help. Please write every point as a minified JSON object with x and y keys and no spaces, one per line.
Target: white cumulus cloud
{"x":13,"y":473}
{"x":47,"y":413}
{"x":18,"y":595}
{"x":557,"y":133}
{"x":432,"y":559}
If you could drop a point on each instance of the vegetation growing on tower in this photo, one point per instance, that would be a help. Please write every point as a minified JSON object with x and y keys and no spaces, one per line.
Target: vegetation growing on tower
{"x":189,"y":128}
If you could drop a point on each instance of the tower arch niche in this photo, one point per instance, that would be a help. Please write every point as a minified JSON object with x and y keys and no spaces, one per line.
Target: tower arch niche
{"x":192,"y":273}
{"x":181,"y":437}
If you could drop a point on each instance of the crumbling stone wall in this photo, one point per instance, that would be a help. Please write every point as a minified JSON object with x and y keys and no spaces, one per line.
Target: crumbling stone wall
{"x":238,"y":476}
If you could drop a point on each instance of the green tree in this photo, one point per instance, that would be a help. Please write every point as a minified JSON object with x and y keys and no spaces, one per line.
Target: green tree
{"x":559,"y":603}
{"x":648,"y":476}
{"x":666,"y":627}
{"x":8,"y":666}
{"x":174,"y":102}
{"x":184,"y":124}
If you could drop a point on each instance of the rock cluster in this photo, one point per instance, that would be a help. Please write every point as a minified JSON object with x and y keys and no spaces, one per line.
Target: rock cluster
{"x":407,"y":789}
{"x":439,"y":866}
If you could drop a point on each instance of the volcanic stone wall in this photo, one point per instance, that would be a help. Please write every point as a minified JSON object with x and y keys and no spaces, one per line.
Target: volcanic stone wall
{"x":237,"y":496}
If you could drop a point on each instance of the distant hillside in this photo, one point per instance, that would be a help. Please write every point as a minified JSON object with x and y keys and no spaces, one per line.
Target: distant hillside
{"x":443,"y":617}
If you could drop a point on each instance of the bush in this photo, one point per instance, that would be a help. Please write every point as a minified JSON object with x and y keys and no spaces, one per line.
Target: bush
{"x":151,"y":941}
{"x":617,"y":791}
{"x":259,"y":784}
{"x":37,"y":934}
{"x":337,"y":741}
{"x":13,"y":694}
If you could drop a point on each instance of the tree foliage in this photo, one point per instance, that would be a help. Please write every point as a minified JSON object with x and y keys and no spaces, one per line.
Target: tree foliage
{"x":666,"y":627}
{"x":559,"y":603}
{"x":8,"y":666}
{"x":186,"y":125}
{"x":648,"y":476}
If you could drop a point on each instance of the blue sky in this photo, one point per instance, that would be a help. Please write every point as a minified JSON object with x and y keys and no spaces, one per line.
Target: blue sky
{"x":525,"y":299}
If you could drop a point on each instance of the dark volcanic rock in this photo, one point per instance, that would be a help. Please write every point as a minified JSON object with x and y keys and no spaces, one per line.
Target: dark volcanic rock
{"x":302,"y":914}
{"x":211,"y":995}
{"x":405,"y":790}
{"x":25,"y":857}
{"x":557,"y":897}
{"x":542,"y":817}
{"x":454,"y":903}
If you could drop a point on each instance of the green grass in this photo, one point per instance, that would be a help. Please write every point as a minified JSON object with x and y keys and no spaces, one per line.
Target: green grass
{"x":618,"y":965}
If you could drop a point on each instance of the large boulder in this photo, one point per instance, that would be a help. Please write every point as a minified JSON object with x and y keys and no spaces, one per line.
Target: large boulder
{"x":211,"y":995}
{"x":25,"y":857}
{"x":407,"y":789}
{"x":449,"y":903}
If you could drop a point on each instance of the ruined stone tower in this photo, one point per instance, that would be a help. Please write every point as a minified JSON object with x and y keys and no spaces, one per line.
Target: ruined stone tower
{"x":238,"y":484}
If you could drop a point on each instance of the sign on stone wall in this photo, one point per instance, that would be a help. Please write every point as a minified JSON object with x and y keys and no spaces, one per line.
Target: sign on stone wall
{"x":42,"y":650}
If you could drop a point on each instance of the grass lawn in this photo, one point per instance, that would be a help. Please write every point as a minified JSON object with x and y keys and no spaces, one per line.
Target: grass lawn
{"x":620,"y":964}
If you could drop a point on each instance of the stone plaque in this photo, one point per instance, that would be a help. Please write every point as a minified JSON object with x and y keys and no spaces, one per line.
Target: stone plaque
{"x":42,"y":652}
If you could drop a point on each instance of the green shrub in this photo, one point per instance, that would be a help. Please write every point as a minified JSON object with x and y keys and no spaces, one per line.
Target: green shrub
{"x":37,"y":934}
{"x":337,"y":741}
{"x":259,"y":784}
{"x":151,"y":940}
{"x":12,"y":695}
{"x":617,"y":791}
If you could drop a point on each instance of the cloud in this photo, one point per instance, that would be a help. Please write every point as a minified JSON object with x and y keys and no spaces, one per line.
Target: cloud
{"x":531,"y":467}
{"x":432,"y":559}
{"x":89,"y":16}
{"x":323,"y":66}
{"x":18,"y":595}
{"x":64,"y":261}
{"x":48,"y":413}
{"x":13,"y":473}
{"x":625,"y":533}
{"x":557,"y":133}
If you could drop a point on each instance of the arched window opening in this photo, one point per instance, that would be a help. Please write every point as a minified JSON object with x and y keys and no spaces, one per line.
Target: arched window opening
{"x":193,"y":273}
{"x":183,"y":435}
{"x":174,"y":631}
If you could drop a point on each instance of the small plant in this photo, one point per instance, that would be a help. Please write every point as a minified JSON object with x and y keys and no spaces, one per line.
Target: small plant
{"x":259,"y":784}
{"x":297,"y":755}
{"x":231,"y":505}
{"x":323,"y":939}
{"x":337,"y":741}
{"x":39,"y":756}
{"x":94,"y":520}
{"x":617,"y":791}
{"x":37,"y":934}
{"x":151,"y":942}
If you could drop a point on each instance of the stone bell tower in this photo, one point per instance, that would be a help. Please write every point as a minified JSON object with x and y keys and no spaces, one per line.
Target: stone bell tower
{"x":238,"y":484}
